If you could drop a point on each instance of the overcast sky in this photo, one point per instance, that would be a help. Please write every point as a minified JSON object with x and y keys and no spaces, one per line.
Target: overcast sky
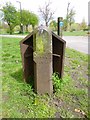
{"x":59,"y":6}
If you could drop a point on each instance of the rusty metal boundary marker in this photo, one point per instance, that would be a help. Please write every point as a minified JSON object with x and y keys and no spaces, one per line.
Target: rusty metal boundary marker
{"x":47,"y":64}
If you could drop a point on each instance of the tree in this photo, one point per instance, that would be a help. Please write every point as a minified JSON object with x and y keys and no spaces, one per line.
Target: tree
{"x":33,"y":19}
{"x":75,"y":27}
{"x":69,"y":16}
{"x":83,"y":24}
{"x":28,"y":18}
{"x":53,"y":25}
{"x":10,"y":16}
{"x":65,"y":24}
{"x":46,"y":13}
{"x":25,"y":18}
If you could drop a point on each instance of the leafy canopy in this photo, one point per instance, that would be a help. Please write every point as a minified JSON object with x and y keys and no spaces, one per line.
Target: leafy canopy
{"x":10,"y":14}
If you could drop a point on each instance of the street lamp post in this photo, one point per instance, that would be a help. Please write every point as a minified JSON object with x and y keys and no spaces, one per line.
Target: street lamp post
{"x":21,"y":25}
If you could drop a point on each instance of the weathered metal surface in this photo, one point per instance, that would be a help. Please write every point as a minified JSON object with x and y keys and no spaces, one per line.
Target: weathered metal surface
{"x":42,"y":57}
{"x":26,"y":46}
{"x":42,"y":54}
{"x":58,"y":45}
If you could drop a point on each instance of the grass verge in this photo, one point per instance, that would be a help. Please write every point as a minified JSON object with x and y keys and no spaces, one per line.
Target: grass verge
{"x":75,"y":33}
{"x":19,"y":100}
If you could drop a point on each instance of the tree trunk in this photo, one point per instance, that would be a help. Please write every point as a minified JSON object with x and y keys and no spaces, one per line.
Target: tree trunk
{"x":10,"y":29}
{"x":67,"y":17}
{"x":21,"y":29}
{"x":70,"y":23}
{"x":33,"y":27}
{"x":26,"y":28}
{"x":46,"y":24}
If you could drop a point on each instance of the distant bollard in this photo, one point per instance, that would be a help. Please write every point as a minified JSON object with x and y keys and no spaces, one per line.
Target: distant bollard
{"x":42,"y":54}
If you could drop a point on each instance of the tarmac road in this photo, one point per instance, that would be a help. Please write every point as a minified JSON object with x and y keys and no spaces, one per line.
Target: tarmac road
{"x":79,"y":43}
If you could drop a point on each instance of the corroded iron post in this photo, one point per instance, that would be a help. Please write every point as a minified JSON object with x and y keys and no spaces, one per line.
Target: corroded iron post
{"x":42,"y":57}
{"x":42,"y":53}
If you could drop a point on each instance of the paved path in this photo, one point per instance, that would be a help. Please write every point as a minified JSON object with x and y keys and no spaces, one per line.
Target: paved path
{"x":79,"y":43}
{"x":13,"y":36}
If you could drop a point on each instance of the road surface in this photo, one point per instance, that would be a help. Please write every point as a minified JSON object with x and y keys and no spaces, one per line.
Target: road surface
{"x":79,"y":43}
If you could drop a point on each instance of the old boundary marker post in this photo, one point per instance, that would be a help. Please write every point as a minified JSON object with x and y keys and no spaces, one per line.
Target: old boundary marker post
{"x":42,"y":54}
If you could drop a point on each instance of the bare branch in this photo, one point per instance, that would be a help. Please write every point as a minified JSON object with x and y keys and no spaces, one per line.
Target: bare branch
{"x":46,"y":13}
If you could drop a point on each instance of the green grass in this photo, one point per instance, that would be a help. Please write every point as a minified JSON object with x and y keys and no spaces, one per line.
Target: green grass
{"x":75,"y":33}
{"x":65,"y":33}
{"x":18,"y":98}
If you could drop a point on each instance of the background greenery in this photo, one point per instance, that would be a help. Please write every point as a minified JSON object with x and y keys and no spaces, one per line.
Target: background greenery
{"x":23,"y":21}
